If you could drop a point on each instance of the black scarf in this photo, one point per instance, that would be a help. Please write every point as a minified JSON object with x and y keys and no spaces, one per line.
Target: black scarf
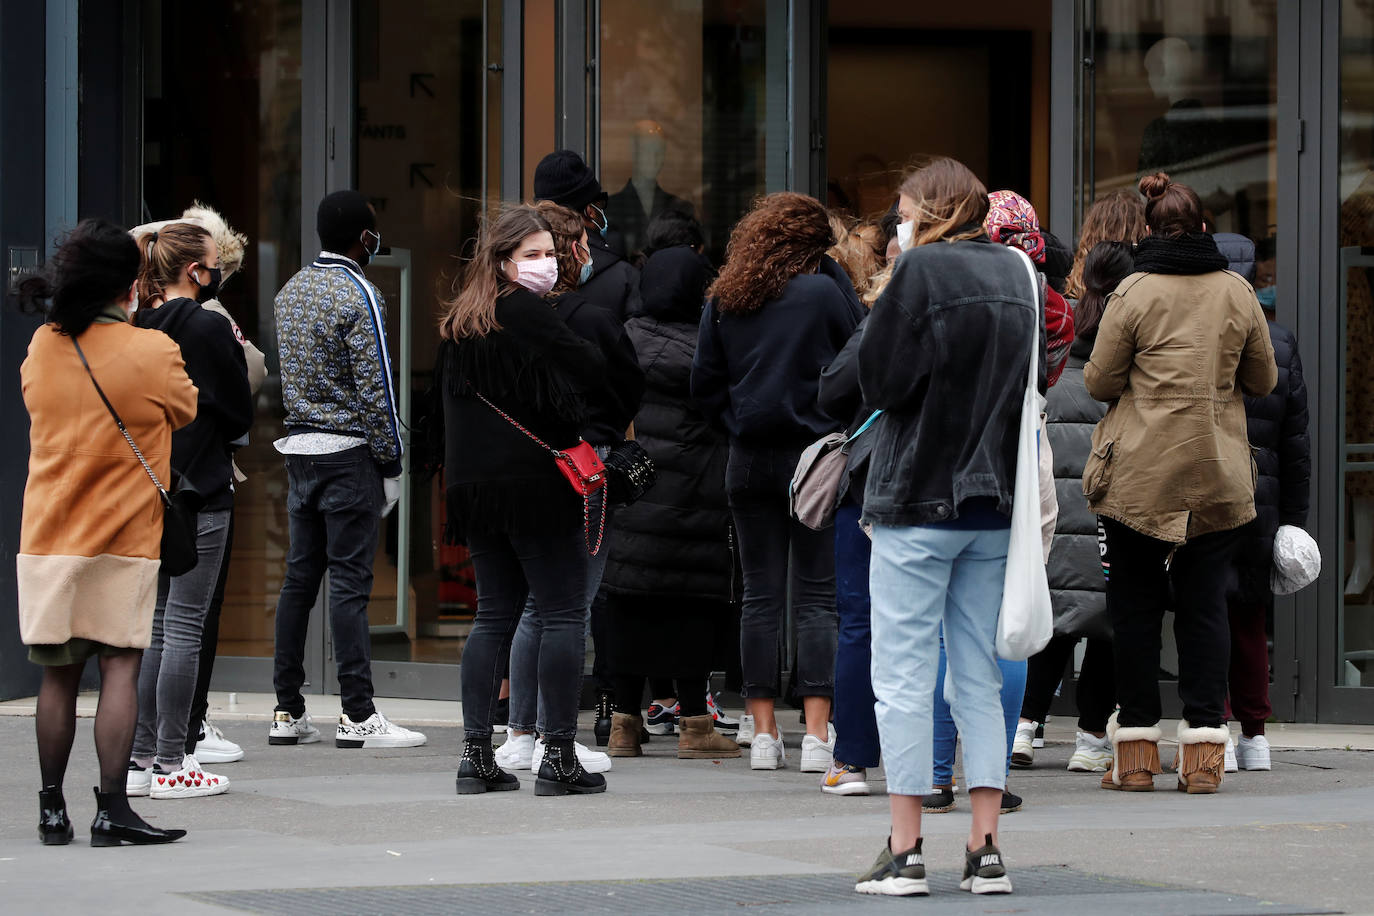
{"x":1188,"y":253}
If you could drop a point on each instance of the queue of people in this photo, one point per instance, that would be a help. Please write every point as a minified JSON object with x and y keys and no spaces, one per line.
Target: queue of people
{"x":620,"y":441}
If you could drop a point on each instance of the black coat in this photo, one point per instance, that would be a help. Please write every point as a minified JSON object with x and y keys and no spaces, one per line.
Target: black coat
{"x":611,"y":405}
{"x":1277,"y":427}
{"x":614,"y":284}
{"x":673,"y":541}
{"x":202,"y":451}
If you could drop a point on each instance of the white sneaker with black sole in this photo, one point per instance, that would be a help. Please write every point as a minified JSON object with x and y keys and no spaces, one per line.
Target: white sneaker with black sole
{"x":186,"y":781}
{"x":213,"y":747}
{"x":374,"y":731}
{"x":289,"y":729}
{"x":139,"y":781}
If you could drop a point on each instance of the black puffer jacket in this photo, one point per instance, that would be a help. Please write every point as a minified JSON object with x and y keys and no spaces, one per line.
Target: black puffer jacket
{"x":614,"y":283}
{"x":673,"y":540}
{"x":1277,"y":427}
{"x":1078,"y":588}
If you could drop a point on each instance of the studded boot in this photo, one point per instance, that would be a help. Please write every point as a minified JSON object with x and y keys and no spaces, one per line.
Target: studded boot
{"x":602,"y":729}
{"x":478,"y":772}
{"x":54,"y":827}
{"x":561,"y":773}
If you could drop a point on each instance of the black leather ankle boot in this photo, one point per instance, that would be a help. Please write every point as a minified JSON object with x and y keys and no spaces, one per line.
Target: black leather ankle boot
{"x":478,"y":772}
{"x":560,"y":772}
{"x":115,"y":824}
{"x":602,"y":729}
{"x":54,"y":827}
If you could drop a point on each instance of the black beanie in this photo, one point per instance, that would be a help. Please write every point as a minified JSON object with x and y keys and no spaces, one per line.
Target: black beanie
{"x":341,"y":219}
{"x":565,"y":179}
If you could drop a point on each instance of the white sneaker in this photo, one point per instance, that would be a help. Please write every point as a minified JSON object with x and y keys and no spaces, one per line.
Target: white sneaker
{"x":1253,"y":753}
{"x":592,"y":761}
{"x":746,"y":731}
{"x":213,"y":747}
{"x":187,"y":781}
{"x":1230,"y":763}
{"x":767,"y":753}
{"x":817,"y":755}
{"x":287,"y":729}
{"x":374,"y":731}
{"x":1091,"y":754}
{"x":516,"y":752}
{"x":727,"y":725}
{"x":138,"y":782}
{"x":1022,"y":746}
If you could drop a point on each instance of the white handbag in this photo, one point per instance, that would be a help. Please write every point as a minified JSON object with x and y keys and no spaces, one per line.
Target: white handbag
{"x":1025,"y":622}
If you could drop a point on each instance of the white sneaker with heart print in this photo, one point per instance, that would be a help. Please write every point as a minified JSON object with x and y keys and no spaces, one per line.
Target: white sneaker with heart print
{"x":187,"y":781}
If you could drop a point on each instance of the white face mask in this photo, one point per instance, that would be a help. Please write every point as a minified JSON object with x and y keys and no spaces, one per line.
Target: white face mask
{"x":904,"y":233}
{"x":537,"y":276}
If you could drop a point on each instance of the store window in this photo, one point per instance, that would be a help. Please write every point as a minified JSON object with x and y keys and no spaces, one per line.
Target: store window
{"x":222,"y":124}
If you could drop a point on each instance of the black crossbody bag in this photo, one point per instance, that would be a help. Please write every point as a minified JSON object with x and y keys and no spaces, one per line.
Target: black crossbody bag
{"x":178,"y":517}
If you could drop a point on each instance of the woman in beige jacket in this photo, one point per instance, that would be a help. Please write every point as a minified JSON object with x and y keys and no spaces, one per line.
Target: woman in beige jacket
{"x":1171,"y":477}
{"x":90,"y":541}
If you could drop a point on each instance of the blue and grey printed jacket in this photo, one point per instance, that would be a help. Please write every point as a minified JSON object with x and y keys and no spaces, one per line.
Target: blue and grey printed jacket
{"x":335,"y":370}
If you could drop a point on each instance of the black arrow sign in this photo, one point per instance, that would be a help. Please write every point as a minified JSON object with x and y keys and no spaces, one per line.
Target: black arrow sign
{"x":417,"y":170}
{"x":418,"y":80}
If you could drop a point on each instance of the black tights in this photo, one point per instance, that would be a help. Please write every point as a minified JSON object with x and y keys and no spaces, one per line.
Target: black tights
{"x":691,"y":693}
{"x":115,"y":717}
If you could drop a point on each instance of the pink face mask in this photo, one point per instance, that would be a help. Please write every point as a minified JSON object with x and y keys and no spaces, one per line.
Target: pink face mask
{"x":537,"y":276}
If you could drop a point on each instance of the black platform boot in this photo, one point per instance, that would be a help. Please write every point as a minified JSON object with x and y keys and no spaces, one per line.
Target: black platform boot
{"x":560,"y":773}
{"x":116,"y":824}
{"x":478,"y":772}
{"x":54,"y":827}
{"x":602,"y":729}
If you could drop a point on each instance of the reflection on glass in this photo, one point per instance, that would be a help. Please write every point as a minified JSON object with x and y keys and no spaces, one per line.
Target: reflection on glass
{"x":242,"y":155}
{"x":1355,"y":664}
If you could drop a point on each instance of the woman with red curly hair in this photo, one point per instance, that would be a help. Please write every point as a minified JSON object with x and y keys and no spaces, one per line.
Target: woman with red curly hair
{"x":778,"y":313}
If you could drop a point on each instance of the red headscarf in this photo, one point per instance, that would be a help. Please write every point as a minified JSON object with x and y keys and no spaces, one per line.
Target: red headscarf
{"x":1011,"y":220}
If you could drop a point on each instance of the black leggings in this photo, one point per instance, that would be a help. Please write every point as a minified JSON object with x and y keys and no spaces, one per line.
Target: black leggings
{"x":691,"y":693}
{"x":1096,"y":693}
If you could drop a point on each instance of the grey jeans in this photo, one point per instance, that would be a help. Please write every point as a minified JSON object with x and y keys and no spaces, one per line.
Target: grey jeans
{"x":167,"y":679}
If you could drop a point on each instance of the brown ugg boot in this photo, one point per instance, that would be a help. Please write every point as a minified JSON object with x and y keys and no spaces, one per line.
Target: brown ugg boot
{"x":697,"y":739}
{"x":1202,"y":758}
{"x":625,"y":731}
{"x":1135,"y":758}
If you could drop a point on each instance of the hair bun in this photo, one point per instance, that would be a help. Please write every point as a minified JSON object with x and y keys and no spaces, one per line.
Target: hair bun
{"x":1154,"y":186}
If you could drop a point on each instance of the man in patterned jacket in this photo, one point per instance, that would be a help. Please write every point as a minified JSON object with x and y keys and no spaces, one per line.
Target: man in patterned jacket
{"x":343,"y":469}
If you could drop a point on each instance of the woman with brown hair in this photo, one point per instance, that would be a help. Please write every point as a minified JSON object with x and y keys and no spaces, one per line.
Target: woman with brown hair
{"x":507,"y":359}
{"x":1171,"y":478}
{"x":778,"y":313}
{"x":1117,"y":216}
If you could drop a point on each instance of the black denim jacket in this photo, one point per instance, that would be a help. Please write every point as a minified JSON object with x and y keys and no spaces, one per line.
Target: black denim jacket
{"x":944,"y":354}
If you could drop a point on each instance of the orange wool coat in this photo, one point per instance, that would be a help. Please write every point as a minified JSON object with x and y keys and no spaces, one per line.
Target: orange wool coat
{"x":92,"y":526}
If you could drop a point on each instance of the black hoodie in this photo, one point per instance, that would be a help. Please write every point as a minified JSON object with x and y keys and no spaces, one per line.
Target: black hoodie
{"x":614,"y":284}
{"x":201,"y":451}
{"x":611,"y":405}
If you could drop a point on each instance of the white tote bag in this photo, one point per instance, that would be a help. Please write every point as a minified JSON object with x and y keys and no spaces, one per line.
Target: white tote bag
{"x":1025,"y":622}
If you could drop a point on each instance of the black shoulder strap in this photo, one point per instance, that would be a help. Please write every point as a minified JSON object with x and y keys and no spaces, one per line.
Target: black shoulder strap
{"x":118,"y":422}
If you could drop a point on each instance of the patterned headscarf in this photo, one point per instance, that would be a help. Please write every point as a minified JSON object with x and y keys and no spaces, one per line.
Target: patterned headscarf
{"x":1011,"y":220}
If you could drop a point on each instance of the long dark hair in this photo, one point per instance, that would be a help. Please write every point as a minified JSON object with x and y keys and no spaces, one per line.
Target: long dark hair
{"x":95,"y":265}
{"x":1107,"y":264}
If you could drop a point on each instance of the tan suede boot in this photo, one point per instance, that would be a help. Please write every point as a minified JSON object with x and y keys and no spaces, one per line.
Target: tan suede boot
{"x":625,"y":730}
{"x":1136,"y":758}
{"x":697,"y":739}
{"x":1202,"y":758}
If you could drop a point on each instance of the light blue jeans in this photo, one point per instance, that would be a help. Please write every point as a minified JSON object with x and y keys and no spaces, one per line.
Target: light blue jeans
{"x":921,"y":577}
{"x":947,"y":733}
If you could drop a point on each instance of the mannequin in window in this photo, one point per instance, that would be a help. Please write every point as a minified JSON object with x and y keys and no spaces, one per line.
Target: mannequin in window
{"x":1357,"y":229}
{"x":642,"y":198}
{"x":1186,"y":131}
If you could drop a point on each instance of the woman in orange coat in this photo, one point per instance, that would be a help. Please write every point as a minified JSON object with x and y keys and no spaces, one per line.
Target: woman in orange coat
{"x":90,"y":543}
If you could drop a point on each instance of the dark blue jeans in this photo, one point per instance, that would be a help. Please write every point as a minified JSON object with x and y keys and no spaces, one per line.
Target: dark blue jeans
{"x":332,"y":506}
{"x":856,"y":725}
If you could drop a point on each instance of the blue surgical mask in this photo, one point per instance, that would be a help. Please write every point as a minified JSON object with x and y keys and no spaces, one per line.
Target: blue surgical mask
{"x":1267,"y":296}
{"x":605,"y":223}
{"x":585,"y":275}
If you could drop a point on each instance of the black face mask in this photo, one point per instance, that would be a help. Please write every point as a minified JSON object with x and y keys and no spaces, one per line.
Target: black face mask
{"x":209,"y":290}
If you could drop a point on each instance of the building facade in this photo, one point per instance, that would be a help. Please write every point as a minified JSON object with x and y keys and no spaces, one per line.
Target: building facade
{"x":439,"y":109}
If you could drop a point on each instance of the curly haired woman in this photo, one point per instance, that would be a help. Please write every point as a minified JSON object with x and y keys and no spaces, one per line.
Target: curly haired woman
{"x":779,"y":312}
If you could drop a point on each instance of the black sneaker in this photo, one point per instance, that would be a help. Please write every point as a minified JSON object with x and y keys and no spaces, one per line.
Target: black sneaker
{"x":560,"y":772}
{"x":901,"y":875}
{"x":478,"y":772}
{"x":984,"y":872}
{"x":1010,"y":802}
{"x":602,"y":728}
{"x":940,"y":800}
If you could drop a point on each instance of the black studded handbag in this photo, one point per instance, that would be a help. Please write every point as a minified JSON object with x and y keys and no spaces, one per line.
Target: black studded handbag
{"x":631,"y":472}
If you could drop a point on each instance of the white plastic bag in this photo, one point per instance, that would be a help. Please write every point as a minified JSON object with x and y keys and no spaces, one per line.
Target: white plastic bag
{"x":1297,"y":560}
{"x":1025,"y":622}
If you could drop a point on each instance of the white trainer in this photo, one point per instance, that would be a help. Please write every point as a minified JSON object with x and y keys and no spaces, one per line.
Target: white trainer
{"x":213,"y":747}
{"x":187,"y":781}
{"x":374,"y":731}
{"x":1253,"y":753}
{"x":1091,"y":754}
{"x":139,"y":781}
{"x":746,"y":731}
{"x":516,"y":752}
{"x":1230,"y":762}
{"x":1022,"y":746}
{"x":767,"y":753}
{"x":592,"y":761}
{"x":817,"y":756}
{"x":288,"y":729}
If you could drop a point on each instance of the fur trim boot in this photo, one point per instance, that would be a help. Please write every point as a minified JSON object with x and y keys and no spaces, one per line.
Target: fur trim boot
{"x":625,"y":732}
{"x":697,"y":739}
{"x":1202,"y":757}
{"x":1136,"y":760}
